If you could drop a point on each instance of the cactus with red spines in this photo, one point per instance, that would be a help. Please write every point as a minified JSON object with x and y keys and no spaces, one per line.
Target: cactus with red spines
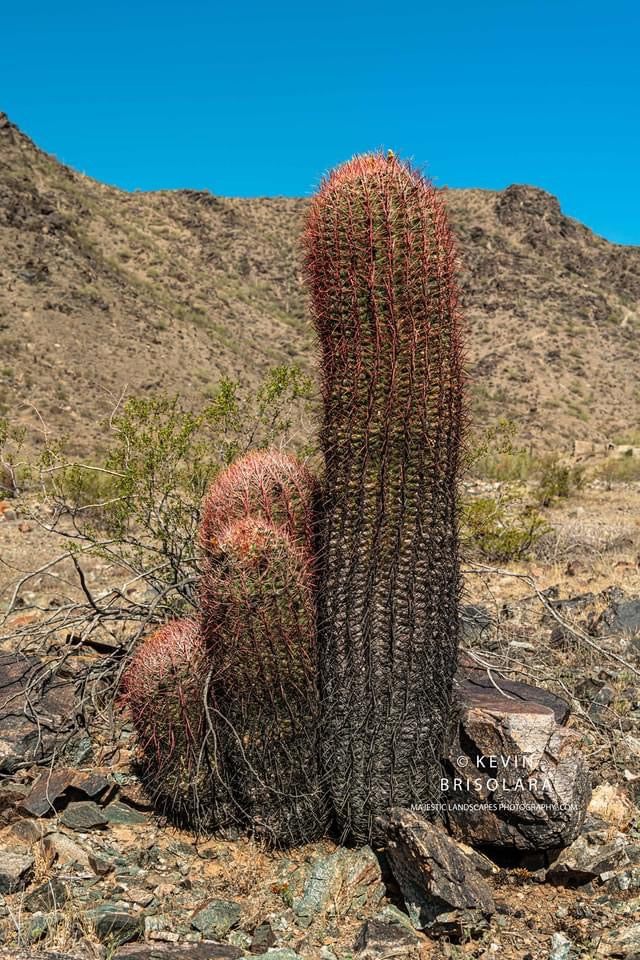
{"x":258,"y":615}
{"x":380,"y":264}
{"x":164,"y":689}
{"x":267,"y":484}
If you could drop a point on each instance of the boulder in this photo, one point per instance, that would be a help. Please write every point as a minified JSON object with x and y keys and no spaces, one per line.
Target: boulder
{"x":433,"y":874}
{"x":344,"y":882}
{"x":16,"y":870}
{"x":513,"y":776}
{"x":215,"y":918}
{"x":34,"y":712}
{"x":377,"y":940}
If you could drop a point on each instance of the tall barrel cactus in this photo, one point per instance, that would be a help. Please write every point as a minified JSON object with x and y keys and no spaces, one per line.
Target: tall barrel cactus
{"x":380,"y":263}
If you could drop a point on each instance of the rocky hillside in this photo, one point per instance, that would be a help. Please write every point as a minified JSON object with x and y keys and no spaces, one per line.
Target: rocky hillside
{"x":104,"y":292}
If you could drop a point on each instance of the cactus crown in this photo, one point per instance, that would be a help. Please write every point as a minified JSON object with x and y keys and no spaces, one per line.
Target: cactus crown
{"x":265,"y":483}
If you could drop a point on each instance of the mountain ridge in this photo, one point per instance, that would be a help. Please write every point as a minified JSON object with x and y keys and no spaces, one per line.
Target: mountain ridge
{"x":105,"y":293}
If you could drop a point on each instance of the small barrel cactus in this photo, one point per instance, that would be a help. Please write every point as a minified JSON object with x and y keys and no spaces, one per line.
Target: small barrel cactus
{"x":258,"y":616}
{"x":380,"y":264}
{"x":164,"y":689}
{"x":265,"y":484}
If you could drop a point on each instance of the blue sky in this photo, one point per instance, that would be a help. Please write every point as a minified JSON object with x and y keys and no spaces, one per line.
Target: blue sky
{"x":253,"y":99}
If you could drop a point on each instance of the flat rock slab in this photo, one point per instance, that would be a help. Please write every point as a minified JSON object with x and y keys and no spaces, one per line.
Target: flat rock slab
{"x":82,"y":816}
{"x":16,"y":871}
{"x":434,"y":876}
{"x":514,"y":777}
{"x":183,"y":951}
{"x":474,"y":685}
{"x":377,"y":940}
{"x":34,"y":711}
{"x":215,"y":918}
{"x":336,"y":884}
{"x":54,"y":789}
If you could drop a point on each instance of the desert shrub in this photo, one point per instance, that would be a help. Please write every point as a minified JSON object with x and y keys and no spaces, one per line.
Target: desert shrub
{"x":14,"y":471}
{"x":624,"y":470}
{"x":137,"y":509}
{"x":502,"y":529}
{"x":557,"y":481}
{"x":493,"y":455}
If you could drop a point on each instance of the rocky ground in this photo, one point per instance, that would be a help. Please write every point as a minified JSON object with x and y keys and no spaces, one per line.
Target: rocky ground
{"x":88,"y":870}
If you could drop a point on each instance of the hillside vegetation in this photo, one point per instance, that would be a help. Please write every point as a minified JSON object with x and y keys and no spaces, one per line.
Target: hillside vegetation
{"x":105,"y":293}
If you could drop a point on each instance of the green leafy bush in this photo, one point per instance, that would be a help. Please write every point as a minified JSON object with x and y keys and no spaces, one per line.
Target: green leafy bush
{"x":139,"y":507}
{"x":624,"y":470}
{"x":501,"y":530}
{"x":557,"y":481}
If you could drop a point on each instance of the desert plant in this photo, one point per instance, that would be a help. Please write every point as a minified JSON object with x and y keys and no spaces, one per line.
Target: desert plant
{"x":501,"y":529}
{"x":269,"y":484}
{"x":136,"y":510}
{"x":380,"y":264}
{"x":165,"y":691}
{"x":557,"y":481}
{"x":258,"y":617}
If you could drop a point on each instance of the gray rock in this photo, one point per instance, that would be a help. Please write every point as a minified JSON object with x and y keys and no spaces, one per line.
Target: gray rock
{"x":513,"y":777}
{"x":37,"y":926}
{"x":280,"y":953}
{"x":263,"y":938}
{"x":561,"y":947}
{"x":83,"y":816}
{"x":459,"y":925}
{"x":434,"y":876}
{"x":586,"y":859}
{"x":11,"y":794}
{"x":48,"y":896}
{"x":215,"y":918}
{"x":65,"y":850}
{"x":622,"y":942}
{"x":391,"y":914}
{"x":343,"y":882}
{"x":114,"y":925}
{"x":185,"y":951}
{"x":55,"y":788}
{"x":33,"y":715}
{"x":118,"y":812}
{"x":378,"y":941}
{"x":621,"y":619}
{"x":16,"y":871}
{"x":621,"y":881}
{"x":475,"y":622}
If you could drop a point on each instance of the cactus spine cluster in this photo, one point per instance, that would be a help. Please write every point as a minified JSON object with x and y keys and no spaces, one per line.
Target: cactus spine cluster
{"x":380,"y":264}
{"x":266,"y":484}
